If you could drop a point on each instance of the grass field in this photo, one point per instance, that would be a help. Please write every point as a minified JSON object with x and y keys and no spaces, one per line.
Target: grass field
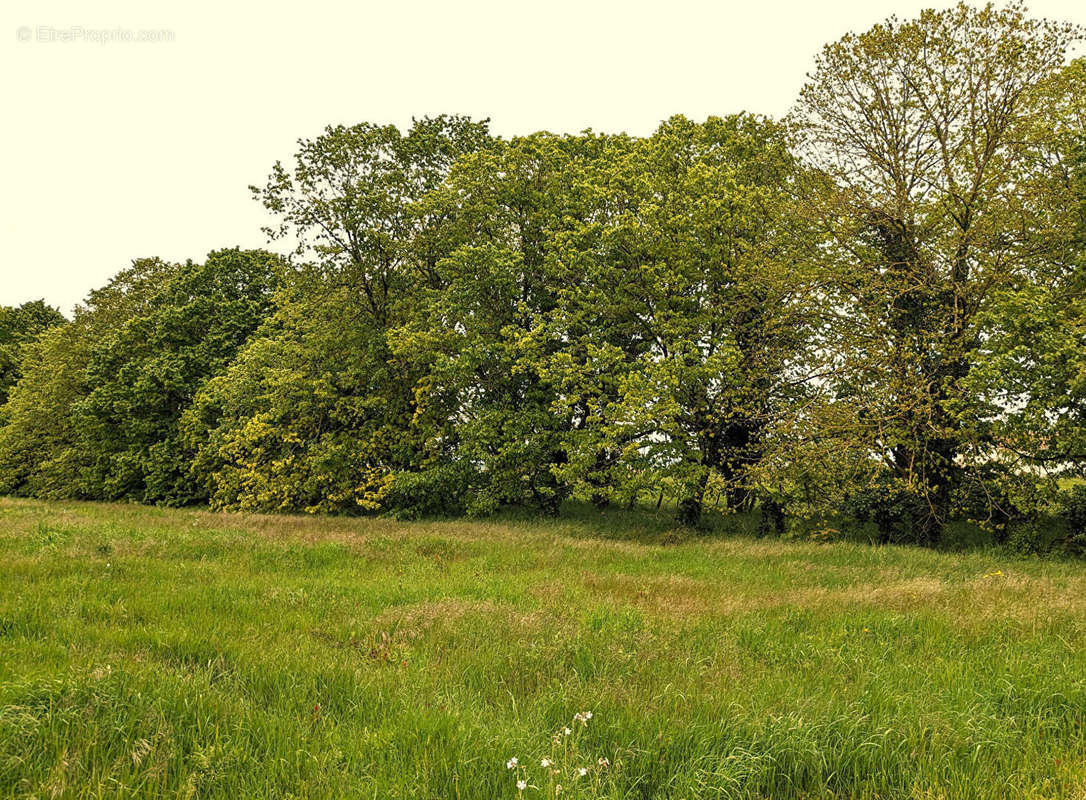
{"x":158,"y":653}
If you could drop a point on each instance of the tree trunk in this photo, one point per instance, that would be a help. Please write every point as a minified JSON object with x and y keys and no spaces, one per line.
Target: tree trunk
{"x":691,"y":505}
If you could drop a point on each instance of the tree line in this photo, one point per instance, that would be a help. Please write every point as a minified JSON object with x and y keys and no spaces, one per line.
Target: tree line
{"x":873,"y":307}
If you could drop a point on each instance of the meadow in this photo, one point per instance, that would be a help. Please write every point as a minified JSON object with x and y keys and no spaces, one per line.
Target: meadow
{"x":147,"y":652}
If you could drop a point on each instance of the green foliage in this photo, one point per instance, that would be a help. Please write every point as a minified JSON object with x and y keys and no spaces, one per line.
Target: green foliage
{"x":37,"y":431}
{"x":96,"y":412}
{"x":677,"y":320}
{"x":1033,"y":371}
{"x":1028,"y":538}
{"x":898,"y":514}
{"x":44,"y":450}
{"x":996,"y":496}
{"x":316,"y":413}
{"x":484,"y":399}
{"x":310,"y":416}
{"x":935,"y":197}
{"x":1073,"y":510}
{"x":143,"y":374}
{"x":439,"y":490}
{"x":19,"y":326}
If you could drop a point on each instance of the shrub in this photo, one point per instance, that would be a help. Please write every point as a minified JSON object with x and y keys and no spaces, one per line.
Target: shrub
{"x":899,"y":515}
{"x":771,"y":518}
{"x":440,"y":490}
{"x":1026,"y":538}
{"x":1073,"y":511}
{"x":993,"y":497}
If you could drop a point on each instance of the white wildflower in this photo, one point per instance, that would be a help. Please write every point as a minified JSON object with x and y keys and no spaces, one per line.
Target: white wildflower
{"x":566,"y":731}
{"x":511,"y":763}
{"x":546,"y":762}
{"x":522,"y":785}
{"x":582,"y":772}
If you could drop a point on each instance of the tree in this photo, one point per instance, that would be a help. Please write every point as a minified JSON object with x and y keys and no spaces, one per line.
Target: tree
{"x":350,"y":203}
{"x":923,"y":130}
{"x":483,"y":400}
{"x":316,"y":413}
{"x":37,"y":434}
{"x":44,"y":449}
{"x":144,"y":373}
{"x":19,"y":326}
{"x":1032,"y":366}
{"x":678,"y":315}
{"x":311,"y":416}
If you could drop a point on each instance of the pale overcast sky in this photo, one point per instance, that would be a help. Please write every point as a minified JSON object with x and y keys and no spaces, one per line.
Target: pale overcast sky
{"x":121,"y":149}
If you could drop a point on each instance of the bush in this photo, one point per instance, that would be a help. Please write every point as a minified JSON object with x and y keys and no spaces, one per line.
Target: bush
{"x":1026,"y":538}
{"x":993,"y":497}
{"x":771,"y":517}
{"x":437,"y":491}
{"x":1073,"y":511}
{"x":899,"y":515}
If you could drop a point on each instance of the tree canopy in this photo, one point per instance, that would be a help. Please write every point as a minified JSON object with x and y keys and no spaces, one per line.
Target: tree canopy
{"x":19,"y":327}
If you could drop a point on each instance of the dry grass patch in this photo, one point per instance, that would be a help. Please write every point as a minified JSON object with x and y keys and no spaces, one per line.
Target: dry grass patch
{"x":415,"y":620}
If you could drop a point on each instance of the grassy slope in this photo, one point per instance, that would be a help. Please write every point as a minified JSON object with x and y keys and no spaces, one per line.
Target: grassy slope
{"x":147,"y":652}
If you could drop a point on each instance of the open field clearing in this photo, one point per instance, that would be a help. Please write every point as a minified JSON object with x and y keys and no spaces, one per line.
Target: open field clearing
{"x":151,"y":653}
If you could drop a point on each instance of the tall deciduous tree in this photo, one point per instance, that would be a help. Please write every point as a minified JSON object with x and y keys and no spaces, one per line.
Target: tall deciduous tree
{"x":143,"y":374}
{"x":44,"y":448}
{"x":1032,"y":372}
{"x":679,"y":318}
{"x":484,"y":401}
{"x":924,"y":129}
{"x":316,"y":413}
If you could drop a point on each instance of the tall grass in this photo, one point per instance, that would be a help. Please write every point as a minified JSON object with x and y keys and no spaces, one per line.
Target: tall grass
{"x":150,"y":653}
